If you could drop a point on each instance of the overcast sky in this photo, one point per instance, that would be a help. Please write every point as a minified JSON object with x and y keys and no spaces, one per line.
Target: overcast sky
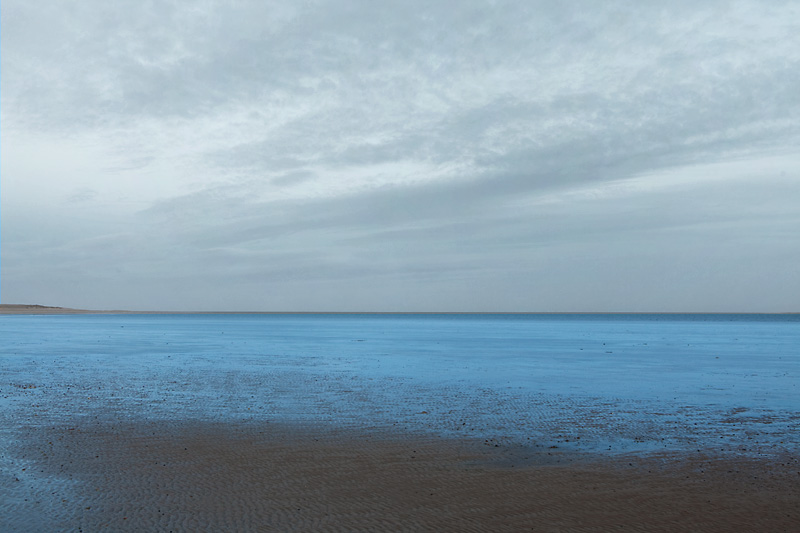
{"x":401,"y":156}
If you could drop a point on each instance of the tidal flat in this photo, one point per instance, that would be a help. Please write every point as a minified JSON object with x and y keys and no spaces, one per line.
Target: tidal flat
{"x":399,"y":422}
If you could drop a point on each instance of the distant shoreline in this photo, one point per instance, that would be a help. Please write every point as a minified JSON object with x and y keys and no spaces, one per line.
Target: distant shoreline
{"x":27,"y":309}
{"x":34,"y":309}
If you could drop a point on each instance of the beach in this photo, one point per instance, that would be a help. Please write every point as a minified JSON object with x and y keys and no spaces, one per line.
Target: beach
{"x":209,"y":423}
{"x":214,"y":477}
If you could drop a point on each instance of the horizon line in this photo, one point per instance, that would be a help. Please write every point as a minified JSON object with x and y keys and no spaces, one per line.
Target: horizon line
{"x":46,"y":309}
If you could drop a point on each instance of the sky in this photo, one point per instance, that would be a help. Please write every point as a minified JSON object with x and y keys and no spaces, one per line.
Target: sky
{"x":401,"y":156}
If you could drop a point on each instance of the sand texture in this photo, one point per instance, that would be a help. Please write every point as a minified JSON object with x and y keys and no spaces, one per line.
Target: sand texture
{"x":245,"y":477}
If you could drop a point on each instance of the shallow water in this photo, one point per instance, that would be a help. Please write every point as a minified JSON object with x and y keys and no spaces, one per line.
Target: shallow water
{"x":527,"y":385}
{"x":618,"y":383}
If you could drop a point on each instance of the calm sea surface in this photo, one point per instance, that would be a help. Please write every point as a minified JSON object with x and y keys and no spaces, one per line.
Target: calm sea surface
{"x":622,"y":382}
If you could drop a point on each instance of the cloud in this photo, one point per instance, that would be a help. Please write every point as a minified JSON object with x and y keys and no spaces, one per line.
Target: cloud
{"x":413,"y":148}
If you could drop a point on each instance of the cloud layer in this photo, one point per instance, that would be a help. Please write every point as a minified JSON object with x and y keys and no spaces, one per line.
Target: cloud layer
{"x":519,"y":156}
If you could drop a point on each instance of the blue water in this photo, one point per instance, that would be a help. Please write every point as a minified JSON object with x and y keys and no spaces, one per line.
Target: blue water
{"x":619,"y":382}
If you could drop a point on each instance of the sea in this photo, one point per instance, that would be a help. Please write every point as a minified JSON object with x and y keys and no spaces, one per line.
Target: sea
{"x":600,"y":383}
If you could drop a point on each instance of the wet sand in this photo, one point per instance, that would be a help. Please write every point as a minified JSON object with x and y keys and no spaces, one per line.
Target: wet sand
{"x":200,"y":476}
{"x":219,"y":424}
